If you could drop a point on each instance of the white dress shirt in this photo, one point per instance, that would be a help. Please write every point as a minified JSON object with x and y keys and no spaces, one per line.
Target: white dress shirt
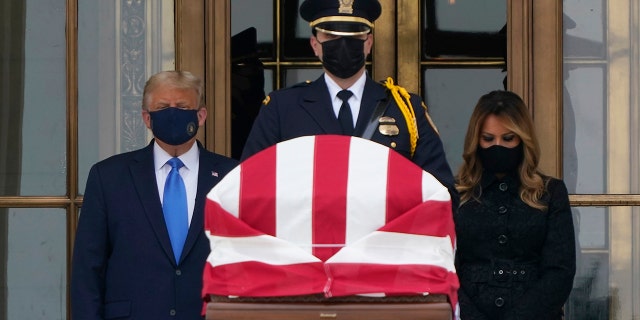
{"x":354,"y":102}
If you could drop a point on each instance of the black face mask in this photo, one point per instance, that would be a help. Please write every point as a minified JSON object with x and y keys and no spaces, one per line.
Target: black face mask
{"x":174,"y":126}
{"x":343,"y":57}
{"x":499,"y":159}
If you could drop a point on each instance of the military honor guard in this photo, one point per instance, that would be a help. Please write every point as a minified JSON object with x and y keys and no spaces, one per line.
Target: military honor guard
{"x":344,"y":100}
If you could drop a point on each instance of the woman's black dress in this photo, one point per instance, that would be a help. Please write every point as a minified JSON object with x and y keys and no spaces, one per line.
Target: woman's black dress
{"x":514,"y":261}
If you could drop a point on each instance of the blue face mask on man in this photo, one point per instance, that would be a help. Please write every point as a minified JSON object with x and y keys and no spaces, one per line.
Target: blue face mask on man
{"x":174,"y":126}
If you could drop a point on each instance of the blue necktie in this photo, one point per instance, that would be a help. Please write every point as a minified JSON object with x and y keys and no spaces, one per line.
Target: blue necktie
{"x":174,"y":206}
{"x":344,"y":115}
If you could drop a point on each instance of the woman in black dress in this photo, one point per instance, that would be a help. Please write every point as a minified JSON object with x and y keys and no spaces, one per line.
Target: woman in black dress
{"x":516,"y":245}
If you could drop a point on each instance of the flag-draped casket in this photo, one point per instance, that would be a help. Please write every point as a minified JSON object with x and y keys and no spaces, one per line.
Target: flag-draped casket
{"x":329,"y":214}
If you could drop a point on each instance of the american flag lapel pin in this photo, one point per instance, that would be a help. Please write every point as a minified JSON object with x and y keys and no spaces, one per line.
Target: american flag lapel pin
{"x":214,"y":174}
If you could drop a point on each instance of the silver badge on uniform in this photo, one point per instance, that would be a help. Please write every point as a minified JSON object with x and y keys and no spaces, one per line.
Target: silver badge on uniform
{"x":387,"y":126}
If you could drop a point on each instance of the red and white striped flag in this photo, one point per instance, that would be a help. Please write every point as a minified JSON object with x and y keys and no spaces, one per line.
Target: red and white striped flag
{"x":329,"y":214}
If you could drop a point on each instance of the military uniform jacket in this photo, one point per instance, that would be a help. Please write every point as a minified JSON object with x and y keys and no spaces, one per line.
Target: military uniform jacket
{"x":514,"y":261}
{"x":306,"y":109}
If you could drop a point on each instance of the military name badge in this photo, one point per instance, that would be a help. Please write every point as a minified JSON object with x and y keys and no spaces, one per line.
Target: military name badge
{"x":387,"y":126}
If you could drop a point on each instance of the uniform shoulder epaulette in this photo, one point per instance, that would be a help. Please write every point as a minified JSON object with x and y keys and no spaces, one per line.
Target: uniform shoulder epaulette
{"x":426,"y":114}
{"x":305,"y":83}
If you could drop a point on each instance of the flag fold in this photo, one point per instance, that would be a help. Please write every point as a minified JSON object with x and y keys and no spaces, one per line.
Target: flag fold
{"x":329,"y":214}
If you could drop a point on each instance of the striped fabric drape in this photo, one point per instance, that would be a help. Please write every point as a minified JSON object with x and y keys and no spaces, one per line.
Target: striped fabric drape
{"x":329,"y":214}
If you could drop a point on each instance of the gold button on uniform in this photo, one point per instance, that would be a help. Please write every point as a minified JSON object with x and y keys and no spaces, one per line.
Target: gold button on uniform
{"x":393,"y":145}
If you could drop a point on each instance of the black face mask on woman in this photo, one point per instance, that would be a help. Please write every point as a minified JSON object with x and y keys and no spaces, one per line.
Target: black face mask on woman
{"x":499,"y":159}
{"x":344,"y":56}
{"x":174,"y":126}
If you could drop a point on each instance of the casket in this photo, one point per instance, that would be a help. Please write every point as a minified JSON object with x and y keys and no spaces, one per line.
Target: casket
{"x":329,"y":227}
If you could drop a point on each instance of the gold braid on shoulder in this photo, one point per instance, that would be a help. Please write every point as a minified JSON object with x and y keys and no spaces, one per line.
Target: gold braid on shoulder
{"x":403,"y":100}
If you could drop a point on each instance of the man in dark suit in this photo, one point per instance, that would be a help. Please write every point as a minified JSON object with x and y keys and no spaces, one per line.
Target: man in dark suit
{"x":134,"y":257}
{"x":386,"y":113}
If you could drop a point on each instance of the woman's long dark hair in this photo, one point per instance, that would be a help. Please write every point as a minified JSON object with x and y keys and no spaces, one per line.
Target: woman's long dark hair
{"x":514,"y":114}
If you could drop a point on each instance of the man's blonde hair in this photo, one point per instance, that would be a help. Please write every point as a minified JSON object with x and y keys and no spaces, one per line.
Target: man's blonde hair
{"x":177,"y":79}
